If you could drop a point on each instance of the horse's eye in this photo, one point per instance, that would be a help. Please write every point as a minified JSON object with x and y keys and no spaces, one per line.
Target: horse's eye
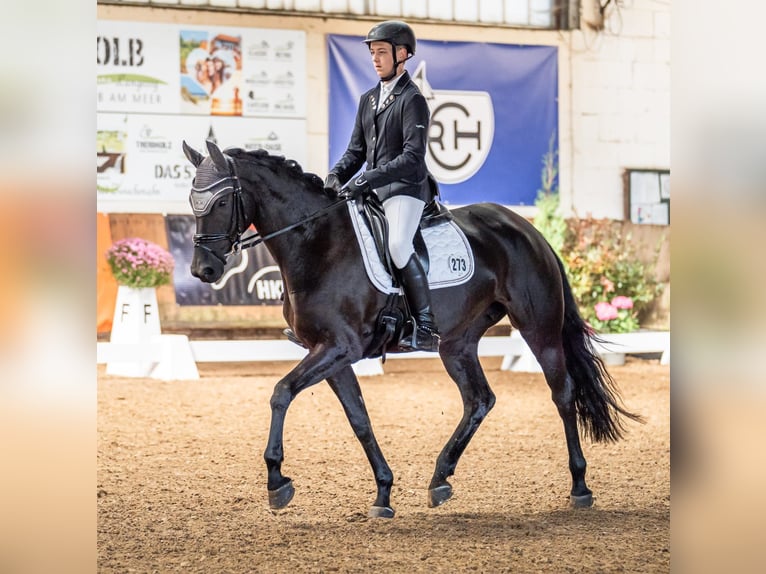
{"x":222,"y":203}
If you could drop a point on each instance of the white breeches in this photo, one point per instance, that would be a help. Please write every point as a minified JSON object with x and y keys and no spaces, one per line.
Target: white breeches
{"x":403,"y":215}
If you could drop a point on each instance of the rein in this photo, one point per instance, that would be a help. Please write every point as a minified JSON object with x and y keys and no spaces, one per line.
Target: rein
{"x":234,"y":235}
{"x":256,"y":238}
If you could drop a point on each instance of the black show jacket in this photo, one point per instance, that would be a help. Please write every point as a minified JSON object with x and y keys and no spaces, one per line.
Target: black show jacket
{"x":392,"y":140}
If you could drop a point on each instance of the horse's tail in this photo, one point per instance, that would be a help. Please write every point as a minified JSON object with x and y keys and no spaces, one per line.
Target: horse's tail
{"x":597,"y":399}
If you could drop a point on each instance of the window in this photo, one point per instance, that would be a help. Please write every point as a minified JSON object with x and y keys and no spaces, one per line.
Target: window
{"x":543,"y":14}
{"x":647,"y":196}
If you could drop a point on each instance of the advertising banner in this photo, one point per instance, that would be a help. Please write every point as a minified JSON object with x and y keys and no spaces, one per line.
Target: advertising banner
{"x":140,"y":155}
{"x":494,"y":112}
{"x":160,"y":84}
{"x":251,"y":277}
{"x":184,"y":69}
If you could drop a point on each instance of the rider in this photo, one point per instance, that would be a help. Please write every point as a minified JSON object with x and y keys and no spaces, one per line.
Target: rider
{"x":390,"y":133}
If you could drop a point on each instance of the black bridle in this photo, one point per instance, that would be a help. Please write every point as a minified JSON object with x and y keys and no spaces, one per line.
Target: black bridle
{"x":203,"y":203}
{"x":230,"y":185}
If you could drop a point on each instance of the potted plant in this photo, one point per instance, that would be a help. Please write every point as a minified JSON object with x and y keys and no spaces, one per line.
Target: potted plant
{"x":609,"y":280}
{"x":139,"y":266}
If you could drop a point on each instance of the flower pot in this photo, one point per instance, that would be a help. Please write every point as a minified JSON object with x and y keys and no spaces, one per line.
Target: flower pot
{"x":613,"y":359}
{"x":136,"y":320}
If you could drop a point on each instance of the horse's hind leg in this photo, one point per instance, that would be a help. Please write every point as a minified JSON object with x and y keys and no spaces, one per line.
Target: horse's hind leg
{"x":553,"y":363}
{"x":461,"y":360}
{"x":346,"y":387}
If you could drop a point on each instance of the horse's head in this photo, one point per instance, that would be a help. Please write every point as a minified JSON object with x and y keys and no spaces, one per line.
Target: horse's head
{"x":220,"y":209}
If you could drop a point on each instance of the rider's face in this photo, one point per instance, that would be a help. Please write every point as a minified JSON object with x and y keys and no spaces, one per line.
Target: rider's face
{"x":382,"y":58}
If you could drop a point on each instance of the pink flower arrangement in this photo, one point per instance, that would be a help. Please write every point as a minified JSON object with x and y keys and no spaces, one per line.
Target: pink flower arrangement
{"x":622,"y":302}
{"x":606,"y":311}
{"x":616,"y":316}
{"x":139,"y":263}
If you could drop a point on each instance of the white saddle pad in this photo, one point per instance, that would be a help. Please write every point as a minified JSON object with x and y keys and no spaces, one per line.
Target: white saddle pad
{"x":450,"y":255}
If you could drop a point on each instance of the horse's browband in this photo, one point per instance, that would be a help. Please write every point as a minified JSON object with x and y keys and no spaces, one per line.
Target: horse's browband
{"x":202,"y":199}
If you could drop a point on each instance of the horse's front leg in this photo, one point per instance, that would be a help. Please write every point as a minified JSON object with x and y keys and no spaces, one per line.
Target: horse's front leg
{"x":320,"y":363}
{"x":346,"y":387}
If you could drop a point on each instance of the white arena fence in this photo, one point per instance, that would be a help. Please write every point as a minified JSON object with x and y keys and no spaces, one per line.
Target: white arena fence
{"x":175,"y":357}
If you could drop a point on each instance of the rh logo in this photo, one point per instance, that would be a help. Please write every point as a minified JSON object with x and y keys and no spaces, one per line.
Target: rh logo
{"x":461,"y":132}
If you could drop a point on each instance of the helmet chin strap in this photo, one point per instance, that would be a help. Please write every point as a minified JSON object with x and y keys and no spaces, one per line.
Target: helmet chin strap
{"x":391,"y":76}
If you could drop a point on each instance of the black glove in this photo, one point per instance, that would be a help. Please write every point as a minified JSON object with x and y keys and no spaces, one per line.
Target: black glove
{"x":356,"y":188}
{"x":332,"y":185}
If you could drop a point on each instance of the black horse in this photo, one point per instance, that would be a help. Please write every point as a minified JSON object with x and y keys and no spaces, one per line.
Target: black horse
{"x":333,"y":309}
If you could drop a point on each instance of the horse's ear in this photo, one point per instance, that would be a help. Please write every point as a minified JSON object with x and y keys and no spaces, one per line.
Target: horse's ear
{"x":217,"y":156}
{"x":192,"y":154}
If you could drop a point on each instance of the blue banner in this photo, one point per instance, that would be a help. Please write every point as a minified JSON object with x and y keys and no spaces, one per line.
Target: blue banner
{"x":494,"y":112}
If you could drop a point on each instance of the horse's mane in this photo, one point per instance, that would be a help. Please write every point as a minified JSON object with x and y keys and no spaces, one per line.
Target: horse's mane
{"x":291,"y":167}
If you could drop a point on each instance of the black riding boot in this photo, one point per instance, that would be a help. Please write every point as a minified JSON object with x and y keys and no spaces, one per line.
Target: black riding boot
{"x":425,"y":336}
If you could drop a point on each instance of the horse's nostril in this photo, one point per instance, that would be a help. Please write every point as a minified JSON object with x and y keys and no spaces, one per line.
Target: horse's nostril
{"x":208,"y":272}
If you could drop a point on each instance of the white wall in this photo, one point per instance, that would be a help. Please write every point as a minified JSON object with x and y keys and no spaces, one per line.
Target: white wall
{"x":614,"y":86}
{"x":620,"y":107}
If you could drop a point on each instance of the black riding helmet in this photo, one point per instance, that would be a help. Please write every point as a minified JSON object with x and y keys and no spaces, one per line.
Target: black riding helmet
{"x":396,"y":33}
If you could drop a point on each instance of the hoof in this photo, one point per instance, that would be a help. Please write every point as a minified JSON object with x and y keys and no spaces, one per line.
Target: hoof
{"x":381,"y":512}
{"x":439,"y":495}
{"x":583,"y":501}
{"x":282,"y":496}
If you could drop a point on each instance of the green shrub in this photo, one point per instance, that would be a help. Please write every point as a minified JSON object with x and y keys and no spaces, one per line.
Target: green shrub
{"x":609,"y":280}
{"x":603,"y":264}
